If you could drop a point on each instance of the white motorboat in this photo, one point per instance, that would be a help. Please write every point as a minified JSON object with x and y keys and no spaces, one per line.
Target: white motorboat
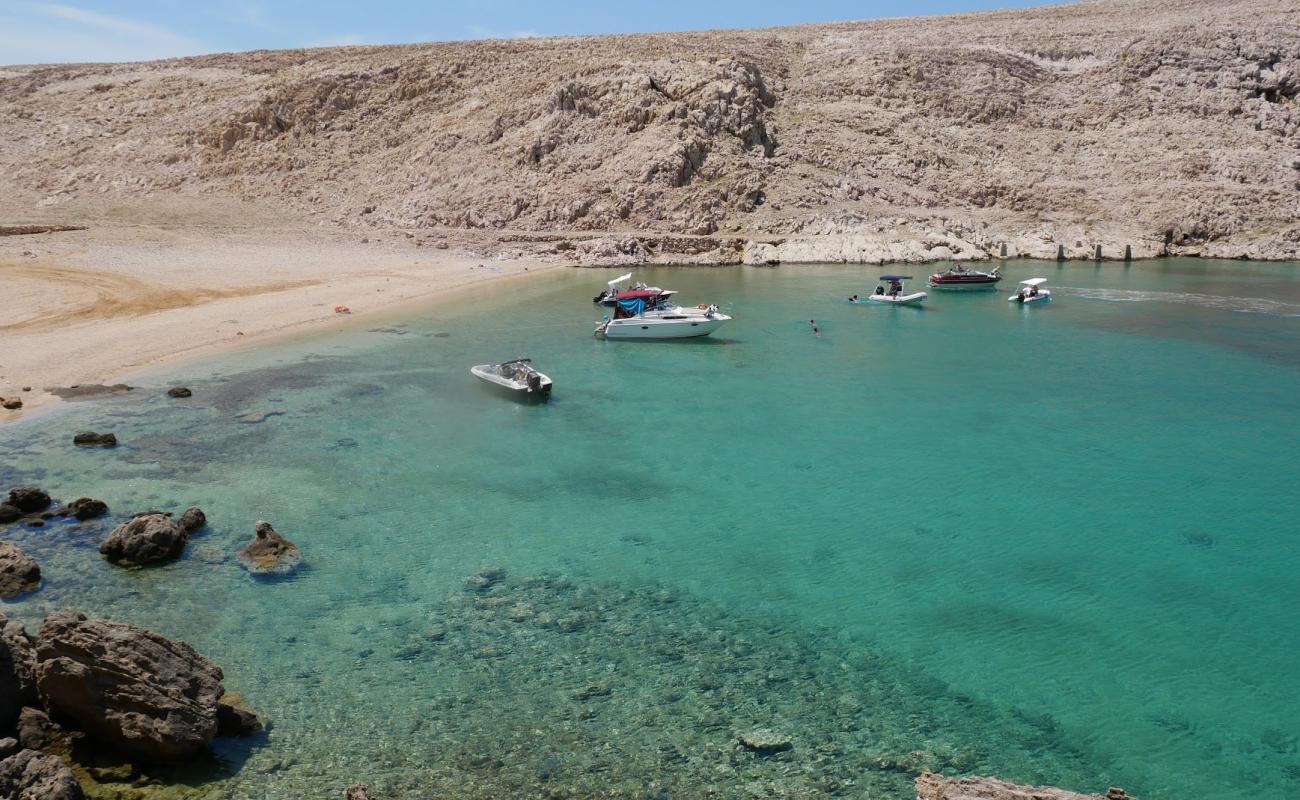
{"x":519,"y":378}
{"x":1031,"y":291}
{"x":891,"y":291}
{"x":964,"y":279}
{"x":616,"y":289}
{"x":655,"y":317}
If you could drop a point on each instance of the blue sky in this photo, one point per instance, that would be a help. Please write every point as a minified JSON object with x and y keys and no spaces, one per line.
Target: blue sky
{"x":127,"y":30}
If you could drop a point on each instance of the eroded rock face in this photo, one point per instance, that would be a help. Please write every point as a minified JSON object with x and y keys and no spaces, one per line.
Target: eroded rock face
{"x":32,"y":775}
{"x":17,"y":672}
{"x":930,"y":786}
{"x":145,"y":539}
{"x":270,"y":552}
{"x":28,"y":499}
{"x":19,"y":572}
{"x":127,"y":687}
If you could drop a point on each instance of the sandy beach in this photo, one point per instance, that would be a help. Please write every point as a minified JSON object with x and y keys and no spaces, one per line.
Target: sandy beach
{"x":146,"y":285}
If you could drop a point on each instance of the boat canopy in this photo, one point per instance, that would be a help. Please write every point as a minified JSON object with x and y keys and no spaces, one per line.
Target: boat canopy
{"x":631,"y":306}
{"x":616,"y":281}
{"x":1034,"y":282}
{"x":895,"y":277}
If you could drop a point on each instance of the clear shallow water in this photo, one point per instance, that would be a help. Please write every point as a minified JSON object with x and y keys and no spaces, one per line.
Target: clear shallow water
{"x":1057,"y":544}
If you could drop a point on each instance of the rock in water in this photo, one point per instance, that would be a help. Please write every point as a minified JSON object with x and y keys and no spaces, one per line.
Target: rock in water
{"x":19,"y":572}
{"x":270,"y":552}
{"x":765,"y":742}
{"x":28,"y":499}
{"x":32,"y":775}
{"x":930,"y":786}
{"x":9,"y":512}
{"x":193,"y":519}
{"x":235,"y":718}
{"x":84,"y":508}
{"x":13,"y":404}
{"x":179,"y":391}
{"x":145,"y":539}
{"x":357,"y":791}
{"x":127,"y":687}
{"x":92,"y":439}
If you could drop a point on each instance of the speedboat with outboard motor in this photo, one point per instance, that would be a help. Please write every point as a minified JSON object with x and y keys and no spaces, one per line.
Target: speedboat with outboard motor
{"x":1031,"y":291}
{"x":649,"y":314}
{"x":891,"y":291}
{"x":518,"y":378}
{"x":617,"y":287}
{"x":964,"y":279}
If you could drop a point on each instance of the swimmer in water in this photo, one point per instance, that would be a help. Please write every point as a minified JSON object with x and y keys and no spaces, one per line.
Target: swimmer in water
{"x":816,"y":331}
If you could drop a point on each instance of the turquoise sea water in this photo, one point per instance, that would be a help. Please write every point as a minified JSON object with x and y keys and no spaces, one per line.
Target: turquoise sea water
{"x":1058,"y":544}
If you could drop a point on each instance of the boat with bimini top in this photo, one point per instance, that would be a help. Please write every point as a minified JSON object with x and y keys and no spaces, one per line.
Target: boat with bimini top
{"x":1031,"y":291}
{"x":623,"y":286}
{"x":649,"y":314}
{"x":890,"y":291}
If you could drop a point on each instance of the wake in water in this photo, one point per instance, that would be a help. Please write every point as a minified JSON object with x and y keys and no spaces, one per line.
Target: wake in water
{"x":1245,"y":305}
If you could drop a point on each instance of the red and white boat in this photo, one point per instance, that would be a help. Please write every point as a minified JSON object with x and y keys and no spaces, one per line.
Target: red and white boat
{"x":964,"y":279}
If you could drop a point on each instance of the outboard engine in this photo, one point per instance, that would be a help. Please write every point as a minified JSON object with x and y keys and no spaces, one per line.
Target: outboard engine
{"x":534,"y":383}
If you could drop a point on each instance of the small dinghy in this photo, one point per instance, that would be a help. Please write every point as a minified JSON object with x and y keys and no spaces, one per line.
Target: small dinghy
{"x":890,"y":291}
{"x":1030,"y":292}
{"x":519,"y":378}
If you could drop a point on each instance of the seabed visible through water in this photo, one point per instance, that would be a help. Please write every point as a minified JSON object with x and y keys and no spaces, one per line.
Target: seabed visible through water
{"x":1054,"y":544}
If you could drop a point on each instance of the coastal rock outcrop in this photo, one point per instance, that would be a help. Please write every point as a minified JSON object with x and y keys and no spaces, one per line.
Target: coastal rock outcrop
{"x":17,"y":672}
{"x":269,"y":552}
{"x":193,"y":519}
{"x":235,"y":718}
{"x":930,"y":786}
{"x":145,"y":539}
{"x":34,"y":728}
{"x":28,"y":499}
{"x":126,"y":686}
{"x":92,"y":439}
{"x":33,"y":775}
{"x":19,"y":572}
{"x":83,"y":508}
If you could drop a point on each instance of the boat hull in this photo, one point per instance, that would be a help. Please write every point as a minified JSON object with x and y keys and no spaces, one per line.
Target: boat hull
{"x":635,"y":328}
{"x":913,"y":299}
{"x":1041,"y":297}
{"x":510,"y":388}
{"x":980,"y":286}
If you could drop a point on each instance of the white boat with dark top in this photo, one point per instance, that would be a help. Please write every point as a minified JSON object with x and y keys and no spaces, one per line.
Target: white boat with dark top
{"x":649,"y":314}
{"x":891,"y":292}
{"x":616,"y":289}
{"x":518,"y":378}
{"x":1031,"y":291}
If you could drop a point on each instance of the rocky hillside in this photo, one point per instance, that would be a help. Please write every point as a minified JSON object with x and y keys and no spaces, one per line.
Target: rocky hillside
{"x":1167,"y":126}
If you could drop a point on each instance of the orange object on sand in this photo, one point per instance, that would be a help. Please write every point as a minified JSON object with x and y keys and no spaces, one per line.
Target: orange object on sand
{"x":342,"y":310}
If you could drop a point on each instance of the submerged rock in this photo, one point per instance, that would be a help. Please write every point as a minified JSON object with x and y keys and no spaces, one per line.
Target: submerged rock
{"x":269,"y":551}
{"x":357,"y":791}
{"x":32,"y":775}
{"x":145,"y":539}
{"x":127,"y":687}
{"x":83,"y":508}
{"x":19,"y":572}
{"x":193,"y":519}
{"x":28,"y":499}
{"x":930,"y":786}
{"x":92,"y":439}
{"x":235,"y":718}
{"x":765,"y":742}
{"x":259,"y":415}
{"x":179,"y":391}
{"x":79,"y":390}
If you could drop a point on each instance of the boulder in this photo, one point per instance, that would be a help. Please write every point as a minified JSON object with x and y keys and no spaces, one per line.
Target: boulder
{"x":193,"y":519}
{"x":127,"y":687}
{"x":269,"y":551}
{"x":34,"y":728}
{"x":930,"y":786}
{"x":9,"y":512}
{"x":235,"y":717}
{"x":84,"y":508}
{"x":32,"y":775}
{"x":145,"y":539}
{"x":17,"y":672}
{"x":28,"y":499}
{"x":19,"y":572}
{"x":13,"y":404}
{"x":179,"y":391}
{"x":92,"y":439}
{"x":8,"y":746}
